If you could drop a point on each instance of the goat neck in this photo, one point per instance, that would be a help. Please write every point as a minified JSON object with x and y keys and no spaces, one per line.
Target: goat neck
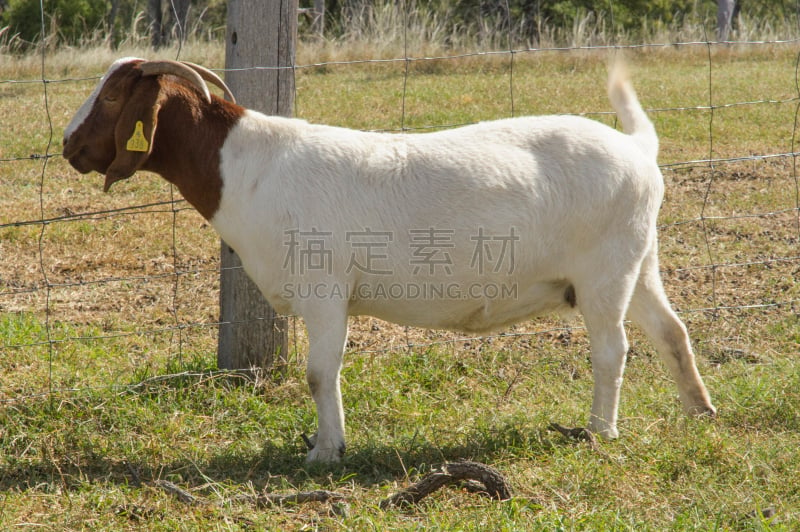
{"x":187,"y":143}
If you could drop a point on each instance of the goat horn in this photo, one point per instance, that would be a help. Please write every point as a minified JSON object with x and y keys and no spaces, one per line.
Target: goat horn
{"x":154,"y":68}
{"x":211,"y":77}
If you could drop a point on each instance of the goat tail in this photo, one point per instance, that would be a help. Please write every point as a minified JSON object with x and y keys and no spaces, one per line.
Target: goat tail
{"x":633,"y":118}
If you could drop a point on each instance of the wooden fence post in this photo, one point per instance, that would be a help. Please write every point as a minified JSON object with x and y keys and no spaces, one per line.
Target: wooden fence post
{"x":259,"y":34}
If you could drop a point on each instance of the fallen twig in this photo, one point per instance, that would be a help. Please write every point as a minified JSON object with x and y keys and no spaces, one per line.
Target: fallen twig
{"x":182,"y":495}
{"x":473,"y":476}
{"x":579,"y":433}
{"x":273,"y":499}
{"x":265,"y":499}
{"x":494,"y":484}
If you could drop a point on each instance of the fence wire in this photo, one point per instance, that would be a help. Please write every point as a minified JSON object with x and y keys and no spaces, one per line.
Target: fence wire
{"x":45,"y":297}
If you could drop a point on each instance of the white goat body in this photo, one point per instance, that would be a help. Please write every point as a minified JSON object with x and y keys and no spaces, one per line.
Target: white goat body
{"x":470,"y":229}
{"x":572,"y":215}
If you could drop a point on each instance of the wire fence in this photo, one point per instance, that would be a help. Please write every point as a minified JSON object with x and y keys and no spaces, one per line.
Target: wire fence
{"x":62,"y":306}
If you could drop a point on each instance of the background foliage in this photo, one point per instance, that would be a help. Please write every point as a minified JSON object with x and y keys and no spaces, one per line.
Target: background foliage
{"x":72,"y":21}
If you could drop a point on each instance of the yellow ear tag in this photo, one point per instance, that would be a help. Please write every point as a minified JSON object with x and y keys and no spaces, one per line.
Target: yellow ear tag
{"x":137,"y":142}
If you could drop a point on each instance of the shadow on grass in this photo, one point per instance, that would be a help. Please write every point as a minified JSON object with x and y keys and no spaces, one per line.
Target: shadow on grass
{"x":48,"y":457}
{"x":275,"y":467}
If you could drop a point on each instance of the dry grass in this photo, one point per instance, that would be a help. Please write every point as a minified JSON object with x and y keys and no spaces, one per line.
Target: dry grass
{"x":94,"y":283}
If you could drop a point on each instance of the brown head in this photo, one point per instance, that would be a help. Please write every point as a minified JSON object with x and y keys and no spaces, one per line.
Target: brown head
{"x":113,"y":131}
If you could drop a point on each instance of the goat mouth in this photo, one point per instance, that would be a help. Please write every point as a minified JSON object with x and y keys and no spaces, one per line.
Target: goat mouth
{"x":73,"y":157}
{"x":79,"y":160}
{"x":70,"y":150}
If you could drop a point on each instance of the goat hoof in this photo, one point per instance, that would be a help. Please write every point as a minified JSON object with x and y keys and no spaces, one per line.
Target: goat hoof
{"x":605,"y":431}
{"x":325,"y":455}
{"x":703,"y":411}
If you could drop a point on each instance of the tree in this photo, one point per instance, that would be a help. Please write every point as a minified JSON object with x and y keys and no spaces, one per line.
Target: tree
{"x":72,"y":19}
{"x":726,"y":13}
{"x":177,"y":18}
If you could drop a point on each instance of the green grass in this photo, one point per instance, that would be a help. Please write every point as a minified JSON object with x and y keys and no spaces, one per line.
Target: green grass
{"x":100,"y":395}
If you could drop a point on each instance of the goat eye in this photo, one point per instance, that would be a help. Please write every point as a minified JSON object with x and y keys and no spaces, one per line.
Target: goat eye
{"x":110,"y":99}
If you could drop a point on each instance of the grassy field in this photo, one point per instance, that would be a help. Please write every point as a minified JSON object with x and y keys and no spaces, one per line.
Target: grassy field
{"x":107,"y":381}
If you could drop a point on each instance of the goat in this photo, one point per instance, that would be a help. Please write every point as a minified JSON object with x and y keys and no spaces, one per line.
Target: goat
{"x":472,"y":228}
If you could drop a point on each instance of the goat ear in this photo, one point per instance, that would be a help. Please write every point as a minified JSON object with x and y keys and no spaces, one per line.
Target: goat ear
{"x":134,"y":133}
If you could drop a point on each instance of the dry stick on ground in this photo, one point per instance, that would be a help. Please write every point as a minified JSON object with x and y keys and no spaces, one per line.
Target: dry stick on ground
{"x":580,"y":434}
{"x":273,"y":499}
{"x":476,"y":478}
{"x":495,"y":485}
{"x":182,"y":495}
{"x":267,"y":499}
